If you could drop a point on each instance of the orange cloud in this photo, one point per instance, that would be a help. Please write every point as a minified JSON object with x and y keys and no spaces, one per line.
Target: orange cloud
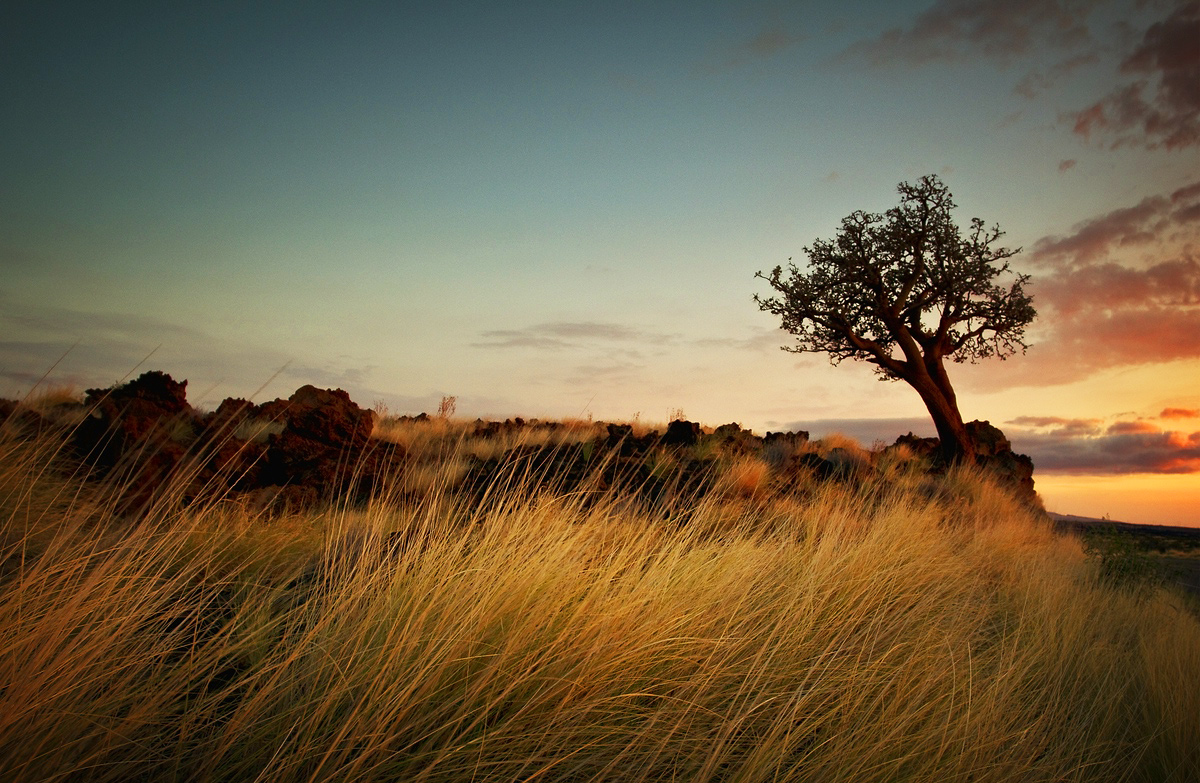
{"x":1125,"y":447}
{"x":1179,"y":413}
{"x":1130,"y":428}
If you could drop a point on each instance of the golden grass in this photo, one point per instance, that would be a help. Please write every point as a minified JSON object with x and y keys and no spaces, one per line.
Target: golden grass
{"x":902,"y":629}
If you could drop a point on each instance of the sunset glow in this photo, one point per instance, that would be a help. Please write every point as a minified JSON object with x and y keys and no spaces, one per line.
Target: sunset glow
{"x":558,"y":211}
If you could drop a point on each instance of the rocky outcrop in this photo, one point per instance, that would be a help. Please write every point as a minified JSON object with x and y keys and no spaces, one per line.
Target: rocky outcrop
{"x":148,"y":440}
{"x":317,"y":446}
{"x":993,"y":452}
{"x":322,"y":451}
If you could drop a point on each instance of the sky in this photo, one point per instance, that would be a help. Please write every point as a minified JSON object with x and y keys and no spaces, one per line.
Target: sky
{"x":557,"y":209}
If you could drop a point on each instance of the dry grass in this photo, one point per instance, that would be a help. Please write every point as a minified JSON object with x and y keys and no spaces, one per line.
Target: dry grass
{"x":911,"y":630}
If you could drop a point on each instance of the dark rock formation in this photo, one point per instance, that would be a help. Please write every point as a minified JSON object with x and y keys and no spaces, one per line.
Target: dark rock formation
{"x":681,"y":433}
{"x":923,"y":448}
{"x":797,"y":438}
{"x":993,"y":452}
{"x":840,"y":464}
{"x":733,"y":438}
{"x":322,"y":451}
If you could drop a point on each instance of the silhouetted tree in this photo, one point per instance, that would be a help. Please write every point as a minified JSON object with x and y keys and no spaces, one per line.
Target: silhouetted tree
{"x":904,"y":291}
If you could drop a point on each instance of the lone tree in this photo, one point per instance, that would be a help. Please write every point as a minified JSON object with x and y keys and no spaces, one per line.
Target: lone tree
{"x":904,"y":291}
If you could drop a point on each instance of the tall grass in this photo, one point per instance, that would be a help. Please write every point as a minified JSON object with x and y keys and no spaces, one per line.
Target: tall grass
{"x":902,"y":628}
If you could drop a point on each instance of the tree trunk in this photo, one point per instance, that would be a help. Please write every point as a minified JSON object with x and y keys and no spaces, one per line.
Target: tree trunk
{"x":955,"y":444}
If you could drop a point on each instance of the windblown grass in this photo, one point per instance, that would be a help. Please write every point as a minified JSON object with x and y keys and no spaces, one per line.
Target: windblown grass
{"x":902,"y":628}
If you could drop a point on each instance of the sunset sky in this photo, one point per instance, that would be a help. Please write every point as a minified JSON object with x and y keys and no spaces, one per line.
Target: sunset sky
{"x":557,"y":209}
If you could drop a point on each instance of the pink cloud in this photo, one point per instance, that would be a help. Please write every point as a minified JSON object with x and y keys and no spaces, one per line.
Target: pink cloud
{"x":1093,"y":238}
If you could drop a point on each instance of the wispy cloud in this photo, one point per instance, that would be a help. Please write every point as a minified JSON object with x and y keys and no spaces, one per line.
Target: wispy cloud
{"x":1001,"y":30}
{"x":568,"y":335}
{"x":1038,"y":81}
{"x":1138,"y":225}
{"x":560,"y":335}
{"x":1160,"y":107}
{"x":1059,"y":426}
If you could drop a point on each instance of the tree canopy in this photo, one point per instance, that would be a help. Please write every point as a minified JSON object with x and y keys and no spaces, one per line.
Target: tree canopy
{"x":904,"y":290}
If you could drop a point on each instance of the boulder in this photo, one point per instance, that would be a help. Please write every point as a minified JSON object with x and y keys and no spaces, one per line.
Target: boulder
{"x":989,"y":441}
{"x":681,"y":433}
{"x":321,"y":445}
{"x":143,"y":428}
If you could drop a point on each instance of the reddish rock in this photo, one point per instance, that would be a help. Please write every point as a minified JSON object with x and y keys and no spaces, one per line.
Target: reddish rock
{"x":989,"y":441}
{"x":140,"y":431}
{"x":323,"y":444}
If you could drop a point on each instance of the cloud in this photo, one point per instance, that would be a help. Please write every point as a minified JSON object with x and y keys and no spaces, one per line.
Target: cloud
{"x":1161,"y":106}
{"x":1130,"y":428}
{"x":963,"y":30}
{"x":559,"y":335}
{"x":1066,"y":165}
{"x":1124,"y":227}
{"x":1121,"y":289}
{"x":1057,"y":425}
{"x":760,"y":340}
{"x":1179,"y":413}
{"x":1109,"y":287}
{"x":1036,"y":82}
{"x":94,"y":349}
{"x":1096,"y":312}
{"x":1124,"y":447}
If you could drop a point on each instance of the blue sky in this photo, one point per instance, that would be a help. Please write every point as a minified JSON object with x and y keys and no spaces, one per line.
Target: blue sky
{"x":557,"y":209}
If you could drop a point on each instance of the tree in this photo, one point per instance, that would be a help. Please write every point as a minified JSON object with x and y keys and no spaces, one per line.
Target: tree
{"x":904,"y":291}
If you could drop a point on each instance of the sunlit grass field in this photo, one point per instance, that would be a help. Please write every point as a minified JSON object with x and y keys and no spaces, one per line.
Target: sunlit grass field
{"x":897,"y":627}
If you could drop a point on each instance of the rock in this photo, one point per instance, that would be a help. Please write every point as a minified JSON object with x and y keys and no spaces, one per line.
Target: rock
{"x":143,"y":427}
{"x":16,"y":419}
{"x":618,"y":433}
{"x":730,"y":431}
{"x":681,"y":433}
{"x":797,"y":438}
{"x":323,"y":438}
{"x":989,"y":440}
{"x":923,"y":448}
{"x":228,"y":415}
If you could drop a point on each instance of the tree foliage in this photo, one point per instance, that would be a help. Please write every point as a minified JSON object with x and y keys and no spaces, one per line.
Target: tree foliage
{"x":908,"y":274}
{"x":904,"y":290}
